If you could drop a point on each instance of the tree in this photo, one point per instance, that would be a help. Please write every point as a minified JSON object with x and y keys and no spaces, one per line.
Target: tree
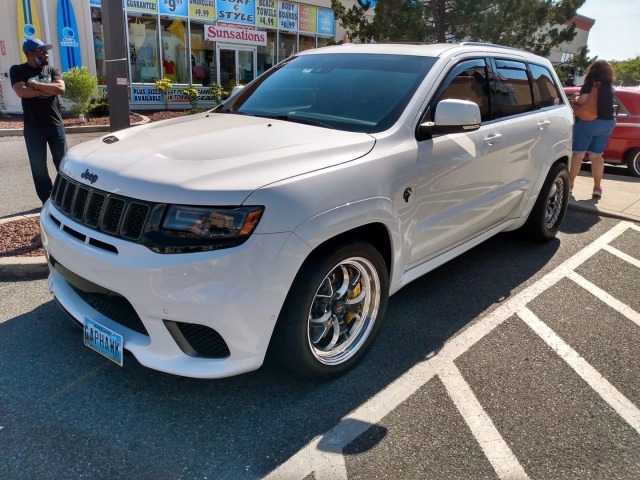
{"x":534,"y":25}
{"x":627,"y":71}
{"x":80,"y":87}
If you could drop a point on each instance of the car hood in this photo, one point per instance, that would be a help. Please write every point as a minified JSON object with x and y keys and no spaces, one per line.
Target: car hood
{"x":211,"y":158}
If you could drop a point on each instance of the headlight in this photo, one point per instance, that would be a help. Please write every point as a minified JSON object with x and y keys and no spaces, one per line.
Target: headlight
{"x":188,"y":228}
{"x":212,"y":223}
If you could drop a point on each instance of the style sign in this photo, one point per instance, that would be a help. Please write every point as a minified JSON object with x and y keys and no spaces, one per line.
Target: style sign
{"x":237,"y":11}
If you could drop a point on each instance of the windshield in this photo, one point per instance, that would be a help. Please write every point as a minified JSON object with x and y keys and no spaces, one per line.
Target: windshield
{"x":352,"y":92}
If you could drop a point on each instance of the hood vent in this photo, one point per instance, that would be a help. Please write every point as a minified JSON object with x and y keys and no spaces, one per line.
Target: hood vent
{"x":110,"y":139}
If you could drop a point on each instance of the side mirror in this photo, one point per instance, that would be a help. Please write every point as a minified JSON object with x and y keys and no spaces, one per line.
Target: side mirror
{"x":452,"y":116}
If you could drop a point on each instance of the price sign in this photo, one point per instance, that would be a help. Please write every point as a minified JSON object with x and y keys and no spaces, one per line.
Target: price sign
{"x":266,"y":13}
{"x":288,"y":15}
{"x":202,"y":9}
{"x":174,"y":7}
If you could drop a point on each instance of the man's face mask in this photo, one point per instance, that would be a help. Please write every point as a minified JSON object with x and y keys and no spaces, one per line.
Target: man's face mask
{"x":41,"y":57}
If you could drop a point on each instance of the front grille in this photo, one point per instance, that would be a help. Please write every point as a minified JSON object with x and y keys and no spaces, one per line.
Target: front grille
{"x":110,"y":304}
{"x":113,"y":215}
{"x":198,"y":340}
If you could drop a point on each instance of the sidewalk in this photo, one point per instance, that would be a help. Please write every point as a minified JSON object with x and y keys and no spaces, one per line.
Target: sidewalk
{"x":620,"y":199}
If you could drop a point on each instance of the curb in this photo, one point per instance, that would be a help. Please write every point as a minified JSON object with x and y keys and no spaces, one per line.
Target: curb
{"x":33,"y":268}
{"x":23,"y":268}
{"x":17,"y":132}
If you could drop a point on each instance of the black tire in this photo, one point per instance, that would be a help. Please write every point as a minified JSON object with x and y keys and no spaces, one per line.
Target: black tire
{"x":632,"y":158}
{"x":550,"y":207}
{"x":309,"y":337}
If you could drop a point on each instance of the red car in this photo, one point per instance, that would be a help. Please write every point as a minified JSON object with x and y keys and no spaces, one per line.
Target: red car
{"x":623,"y":148}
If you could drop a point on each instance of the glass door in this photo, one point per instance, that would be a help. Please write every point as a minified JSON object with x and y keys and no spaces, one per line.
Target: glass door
{"x":237,"y":65}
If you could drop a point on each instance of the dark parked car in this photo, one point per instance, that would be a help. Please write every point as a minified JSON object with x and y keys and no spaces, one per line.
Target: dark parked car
{"x":623,"y":147}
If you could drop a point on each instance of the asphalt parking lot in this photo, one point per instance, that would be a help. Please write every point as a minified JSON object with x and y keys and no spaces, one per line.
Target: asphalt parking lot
{"x":513,"y":361}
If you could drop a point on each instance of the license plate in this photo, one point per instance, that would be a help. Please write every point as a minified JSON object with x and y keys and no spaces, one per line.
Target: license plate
{"x":104,"y":341}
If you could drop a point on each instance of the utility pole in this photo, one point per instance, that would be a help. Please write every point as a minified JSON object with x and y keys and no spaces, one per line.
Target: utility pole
{"x":117,"y":63}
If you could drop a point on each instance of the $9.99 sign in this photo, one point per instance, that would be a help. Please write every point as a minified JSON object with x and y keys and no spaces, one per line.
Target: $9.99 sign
{"x":174,"y":7}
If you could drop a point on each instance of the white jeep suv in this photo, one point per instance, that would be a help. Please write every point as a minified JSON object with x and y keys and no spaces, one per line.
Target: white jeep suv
{"x":283,"y":219}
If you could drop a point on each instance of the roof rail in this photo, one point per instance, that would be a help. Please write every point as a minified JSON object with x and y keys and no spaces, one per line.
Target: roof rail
{"x":488,"y":44}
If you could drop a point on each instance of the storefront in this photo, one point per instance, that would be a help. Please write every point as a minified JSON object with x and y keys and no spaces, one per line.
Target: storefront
{"x":190,"y":42}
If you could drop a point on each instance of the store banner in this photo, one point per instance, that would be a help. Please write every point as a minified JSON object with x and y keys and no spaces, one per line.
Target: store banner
{"x":266,"y":13}
{"x":215,"y":33}
{"x":308,"y":18}
{"x":205,"y":9}
{"x":288,"y":15}
{"x":237,"y":11}
{"x":145,"y":6}
{"x":326,"y":21}
{"x":151,"y":96}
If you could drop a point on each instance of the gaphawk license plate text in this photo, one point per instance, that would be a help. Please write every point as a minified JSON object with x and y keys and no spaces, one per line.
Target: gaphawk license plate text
{"x":103,"y":340}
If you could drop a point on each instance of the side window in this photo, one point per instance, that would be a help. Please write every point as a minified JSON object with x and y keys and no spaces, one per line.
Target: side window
{"x":512,"y":90}
{"x":468,"y":81}
{"x":544,"y":89}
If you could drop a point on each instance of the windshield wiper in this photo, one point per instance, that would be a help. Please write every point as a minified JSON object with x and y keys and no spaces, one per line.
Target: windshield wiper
{"x":234,"y":112}
{"x":289,"y":118}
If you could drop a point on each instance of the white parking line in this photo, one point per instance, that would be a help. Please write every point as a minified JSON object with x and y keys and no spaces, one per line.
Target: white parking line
{"x":322,"y":458}
{"x":502,"y":459}
{"x":614,"y":303}
{"x":610,"y":394}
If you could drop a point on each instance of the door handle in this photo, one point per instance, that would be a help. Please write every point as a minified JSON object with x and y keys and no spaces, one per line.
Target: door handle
{"x":544,"y":124}
{"x":491,"y":139}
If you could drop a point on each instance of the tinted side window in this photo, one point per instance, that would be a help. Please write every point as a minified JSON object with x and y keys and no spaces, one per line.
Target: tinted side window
{"x":544,"y":89}
{"x":512,"y":92}
{"x":468,"y":81}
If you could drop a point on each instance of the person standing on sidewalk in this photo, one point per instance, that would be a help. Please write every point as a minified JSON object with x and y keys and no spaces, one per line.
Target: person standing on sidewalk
{"x":38,"y":85}
{"x":590,"y":137}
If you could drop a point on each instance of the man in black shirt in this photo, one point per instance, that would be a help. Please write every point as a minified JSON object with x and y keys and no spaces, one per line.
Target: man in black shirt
{"x":38,"y":85}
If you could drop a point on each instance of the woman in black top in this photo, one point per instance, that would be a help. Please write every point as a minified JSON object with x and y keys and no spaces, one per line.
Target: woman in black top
{"x":590,"y":137}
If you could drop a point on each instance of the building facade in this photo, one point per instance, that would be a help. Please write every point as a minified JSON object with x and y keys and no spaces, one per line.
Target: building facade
{"x":190,"y":42}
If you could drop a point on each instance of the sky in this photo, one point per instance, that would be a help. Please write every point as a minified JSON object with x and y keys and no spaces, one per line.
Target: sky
{"x":616,"y":33}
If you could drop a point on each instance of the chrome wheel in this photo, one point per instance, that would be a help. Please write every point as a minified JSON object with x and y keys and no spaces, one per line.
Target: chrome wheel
{"x":633,"y":162}
{"x":343,"y":311}
{"x":554,"y":203}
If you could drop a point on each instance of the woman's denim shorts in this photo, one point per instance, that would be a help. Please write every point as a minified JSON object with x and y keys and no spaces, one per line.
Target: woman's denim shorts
{"x":592,"y":136}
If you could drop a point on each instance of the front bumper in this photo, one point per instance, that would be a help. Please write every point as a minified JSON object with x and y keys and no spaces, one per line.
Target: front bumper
{"x":236,"y":292}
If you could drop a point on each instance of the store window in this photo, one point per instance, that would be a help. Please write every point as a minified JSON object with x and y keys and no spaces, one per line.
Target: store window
{"x":175,"y":61}
{"x":98,"y":44}
{"x":203,"y":56}
{"x":144,"y":61}
{"x":286,"y":45}
{"x":324,"y":41}
{"x":306,"y":42}
{"x":267,"y":53}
